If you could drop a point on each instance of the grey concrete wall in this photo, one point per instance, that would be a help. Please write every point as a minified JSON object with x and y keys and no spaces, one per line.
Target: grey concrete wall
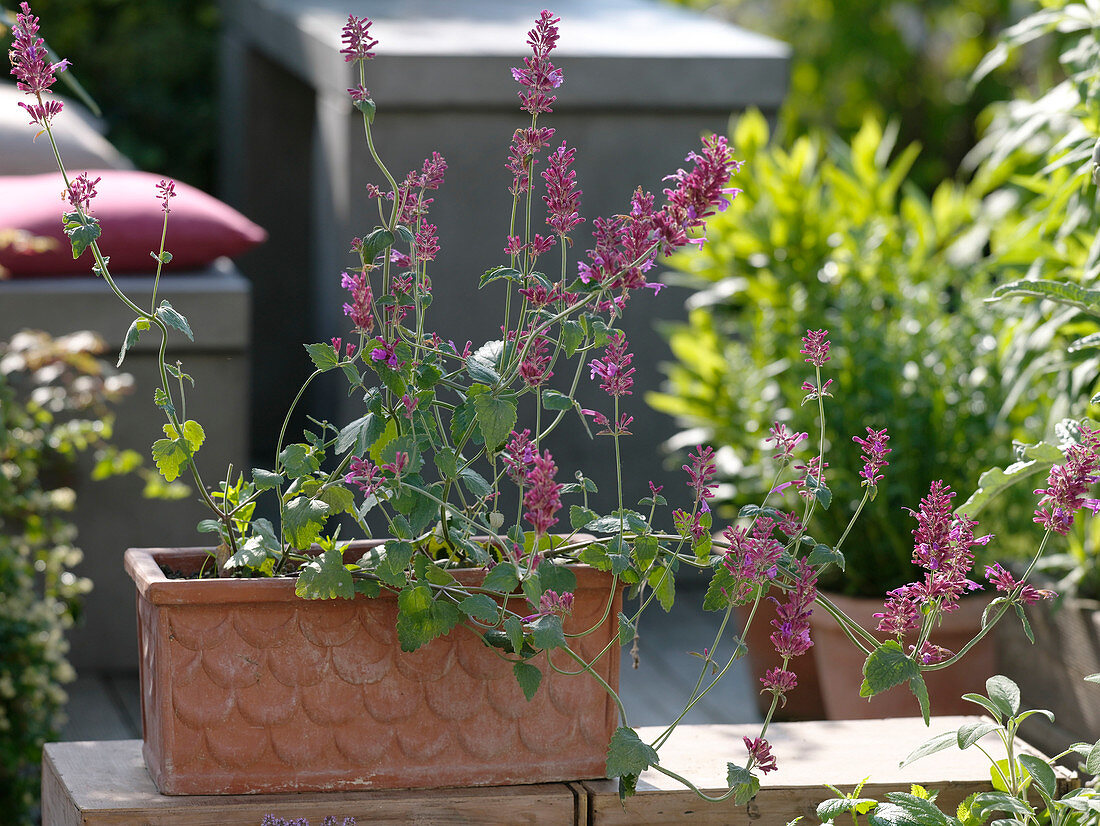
{"x":642,"y":82}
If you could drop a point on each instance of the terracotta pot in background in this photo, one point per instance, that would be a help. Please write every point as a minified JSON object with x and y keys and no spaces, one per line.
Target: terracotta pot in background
{"x":1051,"y":673}
{"x":247,"y":688}
{"x":840,"y":663}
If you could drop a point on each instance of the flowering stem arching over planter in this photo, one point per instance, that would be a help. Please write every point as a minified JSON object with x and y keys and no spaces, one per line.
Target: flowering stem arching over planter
{"x":438,"y":456}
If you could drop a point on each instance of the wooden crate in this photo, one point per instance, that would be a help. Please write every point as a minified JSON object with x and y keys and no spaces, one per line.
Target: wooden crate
{"x":808,"y":754}
{"x":106,"y":784}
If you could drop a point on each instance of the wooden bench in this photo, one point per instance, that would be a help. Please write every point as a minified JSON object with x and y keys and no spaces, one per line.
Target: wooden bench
{"x":105,"y":784}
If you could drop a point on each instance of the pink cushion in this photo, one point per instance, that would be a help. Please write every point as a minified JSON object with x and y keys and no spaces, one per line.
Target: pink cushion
{"x":200,"y":227}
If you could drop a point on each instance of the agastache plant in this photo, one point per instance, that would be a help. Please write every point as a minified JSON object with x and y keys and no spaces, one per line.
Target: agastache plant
{"x":438,"y":455}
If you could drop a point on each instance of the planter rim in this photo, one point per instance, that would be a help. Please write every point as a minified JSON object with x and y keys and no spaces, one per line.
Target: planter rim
{"x":143,"y":566}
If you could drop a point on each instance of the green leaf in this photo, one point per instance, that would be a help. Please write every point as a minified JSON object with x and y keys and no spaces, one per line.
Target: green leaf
{"x":720,"y":591}
{"x":265,"y":479}
{"x":596,"y":556}
{"x":744,"y":783}
{"x":194,"y":435}
{"x":325,"y":577}
{"x":556,"y":578}
{"x":920,"y":691}
{"x":480,"y":607}
{"x":580,"y":516}
{"x":971,"y":733}
{"x":170,"y":458}
{"x":414,"y":617}
{"x":908,"y":810}
{"x":339,"y":499}
{"x":367,"y":107}
{"x":173,"y":319}
{"x":1092,"y":761}
{"x":475,"y":483}
{"x":1041,"y":773}
{"x":1004,"y":693}
{"x":514,"y":629}
{"x":379,"y":238}
{"x":405,"y":234}
{"x":81,"y":232}
{"x":823,"y":554}
{"x":938,"y":743}
{"x":209,"y":526}
{"x":1062,"y":292}
{"x":483,"y":365}
{"x":628,"y":755}
{"x":885,"y":668}
{"x":161,"y":400}
{"x":553,"y":400}
{"x":446,"y":462}
{"x":627,"y":631}
{"x":132,"y":335}
{"x":495,"y":417}
{"x":1002,"y":801}
{"x":547,"y":633}
{"x":628,"y":520}
{"x":323,"y":356}
{"x":645,"y":551}
{"x":1022,"y":616}
{"x":496,"y":273}
{"x":572,"y":336}
{"x":303,"y":519}
{"x":829,"y":810}
{"x":503,"y":578}
{"x":299,"y":460}
{"x":664,"y":587}
{"x":529,"y":678}
{"x":985,"y":703}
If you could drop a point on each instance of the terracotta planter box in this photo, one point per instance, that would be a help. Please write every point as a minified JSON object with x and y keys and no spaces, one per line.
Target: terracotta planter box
{"x":840,"y":663}
{"x":246,"y":688}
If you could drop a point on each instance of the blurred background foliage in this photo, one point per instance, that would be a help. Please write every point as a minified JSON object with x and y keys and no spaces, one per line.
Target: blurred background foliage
{"x":152,"y":68}
{"x":893,"y":60}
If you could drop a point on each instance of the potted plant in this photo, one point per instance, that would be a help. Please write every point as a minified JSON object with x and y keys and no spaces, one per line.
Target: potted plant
{"x":1045,"y":254}
{"x":285,"y":644}
{"x":831,"y":232}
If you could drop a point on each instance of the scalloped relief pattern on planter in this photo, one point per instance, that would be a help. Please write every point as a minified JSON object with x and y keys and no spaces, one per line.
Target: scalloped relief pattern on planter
{"x":297,"y":696}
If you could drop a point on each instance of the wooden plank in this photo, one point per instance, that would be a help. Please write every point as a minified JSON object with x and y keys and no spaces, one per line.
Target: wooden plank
{"x":809,"y":754}
{"x":106,"y":784}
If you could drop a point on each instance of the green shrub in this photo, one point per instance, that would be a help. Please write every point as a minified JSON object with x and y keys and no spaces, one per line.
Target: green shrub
{"x":53,"y":405}
{"x":828,"y":235}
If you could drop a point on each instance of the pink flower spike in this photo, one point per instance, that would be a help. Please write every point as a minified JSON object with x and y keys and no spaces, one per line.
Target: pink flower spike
{"x":701,"y":472}
{"x":543,"y":496}
{"x":357,"y":40}
{"x":34,"y":74}
{"x":815,"y":347}
{"x":167,"y":190}
{"x":538,"y":74}
{"x":874,"y":451}
{"x":614,"y":368}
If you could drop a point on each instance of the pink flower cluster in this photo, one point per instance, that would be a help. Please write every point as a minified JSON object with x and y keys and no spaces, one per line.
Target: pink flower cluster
{"x":538,"y":75}
{"x":543,"y":496}
{"x":34,"y":74}
{"x":943,"y":545}
{"x":1068,"y":483}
